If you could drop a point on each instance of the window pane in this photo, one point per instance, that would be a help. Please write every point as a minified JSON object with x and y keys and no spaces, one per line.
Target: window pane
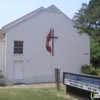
{"x":18,"y":47}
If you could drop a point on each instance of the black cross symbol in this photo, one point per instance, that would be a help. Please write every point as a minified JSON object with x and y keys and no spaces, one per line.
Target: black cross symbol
{"x":53,"y":37}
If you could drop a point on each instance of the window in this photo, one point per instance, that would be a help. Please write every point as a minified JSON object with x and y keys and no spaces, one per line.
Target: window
{"x":18,"y":47}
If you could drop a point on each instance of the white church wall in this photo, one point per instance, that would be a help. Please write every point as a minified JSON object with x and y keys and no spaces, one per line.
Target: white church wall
{"x":39,"y":64}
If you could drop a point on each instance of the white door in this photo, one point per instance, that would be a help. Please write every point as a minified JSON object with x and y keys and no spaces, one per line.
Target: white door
{"x":18,"y":70}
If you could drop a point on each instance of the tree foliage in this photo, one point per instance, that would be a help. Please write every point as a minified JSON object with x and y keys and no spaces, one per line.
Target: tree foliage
{"x":94,"y":53}
{"x":87,"y":19}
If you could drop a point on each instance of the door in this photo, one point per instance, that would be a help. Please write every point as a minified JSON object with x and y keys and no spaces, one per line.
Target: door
{"x":18,"y":71}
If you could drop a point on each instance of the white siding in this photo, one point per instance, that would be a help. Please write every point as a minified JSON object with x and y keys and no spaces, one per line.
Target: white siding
{"x":2,"y":56}
{"x":39,"y":64}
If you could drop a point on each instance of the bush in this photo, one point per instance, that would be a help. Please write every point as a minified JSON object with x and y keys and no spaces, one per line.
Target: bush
{"x":1,"y":75}
{"x":97,"y":71}
{"x":89,"y":69}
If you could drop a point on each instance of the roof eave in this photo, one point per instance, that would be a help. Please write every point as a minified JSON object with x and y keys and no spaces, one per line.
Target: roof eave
{"x":6,"y":27}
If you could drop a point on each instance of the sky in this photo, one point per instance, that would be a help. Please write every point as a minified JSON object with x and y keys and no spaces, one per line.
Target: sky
{"x":11,"y":10}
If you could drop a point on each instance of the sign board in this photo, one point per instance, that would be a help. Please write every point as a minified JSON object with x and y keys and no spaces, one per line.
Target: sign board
{"x":82,"y":81}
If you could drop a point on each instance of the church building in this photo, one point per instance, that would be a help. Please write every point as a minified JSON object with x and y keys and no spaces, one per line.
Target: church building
{"x":32,"y":46}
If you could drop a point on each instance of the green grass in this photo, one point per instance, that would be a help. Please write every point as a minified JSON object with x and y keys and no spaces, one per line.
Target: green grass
{"x":33,"y":94}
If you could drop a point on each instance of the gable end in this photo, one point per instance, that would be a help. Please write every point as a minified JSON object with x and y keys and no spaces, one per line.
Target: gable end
{"x":52,"y":9}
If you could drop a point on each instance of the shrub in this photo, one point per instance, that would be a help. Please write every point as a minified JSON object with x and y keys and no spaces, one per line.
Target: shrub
{"x":94,"y":72}
{"x":87,"y":69}
{"x":97,"y":71}
{"x":1,"y":75}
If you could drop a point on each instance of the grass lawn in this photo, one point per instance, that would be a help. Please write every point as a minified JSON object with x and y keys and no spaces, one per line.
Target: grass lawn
{"x":33,"y":94}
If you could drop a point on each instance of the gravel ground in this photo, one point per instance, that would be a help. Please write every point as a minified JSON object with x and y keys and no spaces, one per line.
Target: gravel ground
{"x":42,"y":85}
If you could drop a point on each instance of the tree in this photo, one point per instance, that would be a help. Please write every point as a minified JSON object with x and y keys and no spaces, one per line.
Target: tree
{"x":94,"y":53}
{"x":87,"y":19}
{"x":79,"y":19}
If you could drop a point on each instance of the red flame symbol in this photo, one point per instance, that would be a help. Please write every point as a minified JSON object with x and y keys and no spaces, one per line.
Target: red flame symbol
{"x":48,"y":48}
